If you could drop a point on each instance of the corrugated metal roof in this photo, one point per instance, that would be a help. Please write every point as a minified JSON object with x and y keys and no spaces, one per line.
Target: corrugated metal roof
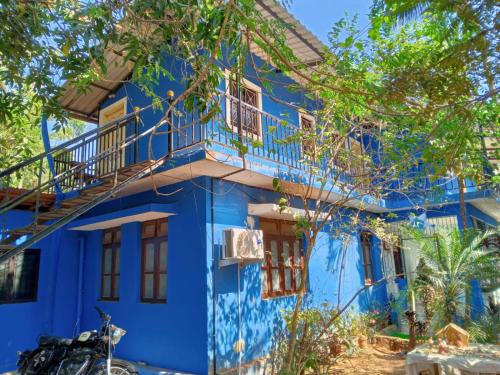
{"x":85,"y":105}
{"x":307,"y":47}
{"x":305,"y":44}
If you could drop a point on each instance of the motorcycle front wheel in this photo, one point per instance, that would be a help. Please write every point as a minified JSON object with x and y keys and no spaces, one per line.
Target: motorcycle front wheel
{"x":117,"y":368}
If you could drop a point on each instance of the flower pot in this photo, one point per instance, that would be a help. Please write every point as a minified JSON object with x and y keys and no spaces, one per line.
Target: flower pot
{"x":362,"y":342}
{"x":336,"y":349}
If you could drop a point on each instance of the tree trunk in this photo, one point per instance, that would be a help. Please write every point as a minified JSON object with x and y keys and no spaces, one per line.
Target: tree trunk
{"x":467,"y":305}
{"x":411,"y":317}
{"x":298,"y":305}
{"x":461,"y":197}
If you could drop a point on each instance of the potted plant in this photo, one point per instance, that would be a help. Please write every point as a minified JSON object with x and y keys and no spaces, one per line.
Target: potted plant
{"x":336,"y":345}
{"x":359,"y":329}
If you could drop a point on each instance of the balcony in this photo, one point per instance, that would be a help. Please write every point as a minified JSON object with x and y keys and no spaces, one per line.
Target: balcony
{"x":238,"y":143}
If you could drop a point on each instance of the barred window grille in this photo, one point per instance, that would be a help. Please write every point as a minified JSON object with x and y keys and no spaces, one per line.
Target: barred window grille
{"x":249,"y":109}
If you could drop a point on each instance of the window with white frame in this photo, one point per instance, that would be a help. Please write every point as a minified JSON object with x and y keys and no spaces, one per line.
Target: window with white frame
{"x":108,"y":139}
{"x":244,"y":100}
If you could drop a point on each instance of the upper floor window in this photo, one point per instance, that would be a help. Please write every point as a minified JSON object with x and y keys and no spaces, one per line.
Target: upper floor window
{"x":366,"y":250}
{"x":249,"y":95}
{"x":19,"y":277}
{"x":282,"y":267}
{"x":307,"y":125}
{"x":154,"y":261}
{"x":110,"y":273}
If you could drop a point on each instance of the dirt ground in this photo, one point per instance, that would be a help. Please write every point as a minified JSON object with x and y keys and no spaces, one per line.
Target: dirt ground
{"x":373,"y":361}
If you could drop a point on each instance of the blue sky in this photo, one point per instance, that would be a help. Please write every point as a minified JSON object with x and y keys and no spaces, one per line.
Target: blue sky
{"x":319,"y":15}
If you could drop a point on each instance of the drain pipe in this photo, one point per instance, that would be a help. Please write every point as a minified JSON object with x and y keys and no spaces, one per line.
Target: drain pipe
{"x":214,"y":338}
{"x":240,"y":345}
{"x":79,"y":300}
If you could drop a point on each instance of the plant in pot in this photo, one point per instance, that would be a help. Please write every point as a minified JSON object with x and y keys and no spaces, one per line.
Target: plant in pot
{"x":337,"y":337}
{"x":359,"y":329}
{"x":362,"y":333}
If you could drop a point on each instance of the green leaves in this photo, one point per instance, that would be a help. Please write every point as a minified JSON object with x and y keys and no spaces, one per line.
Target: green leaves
{"x":277,"y":185}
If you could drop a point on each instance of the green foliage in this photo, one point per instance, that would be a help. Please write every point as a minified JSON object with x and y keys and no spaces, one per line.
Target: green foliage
{"x":20,"y":139}
{"x":47,"y":43}
{"x":487,"y":328}
{"x":452,"y":259}
{"x":439,"y":60}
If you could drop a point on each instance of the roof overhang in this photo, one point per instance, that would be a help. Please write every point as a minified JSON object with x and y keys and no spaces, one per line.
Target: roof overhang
{"x":305,"y":45}
{"x":85,"y":105}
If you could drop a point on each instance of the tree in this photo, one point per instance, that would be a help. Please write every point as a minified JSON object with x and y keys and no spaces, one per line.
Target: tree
{"x":415,"y":89}
{"x":451,"y":49}
{"x":20,"y":139}
{"x":452,"y":260}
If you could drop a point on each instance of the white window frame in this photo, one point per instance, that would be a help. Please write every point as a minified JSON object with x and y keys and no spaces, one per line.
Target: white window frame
{"x":112,"y":107}
{"x":121,"y":102}
{"x":252,"y":86}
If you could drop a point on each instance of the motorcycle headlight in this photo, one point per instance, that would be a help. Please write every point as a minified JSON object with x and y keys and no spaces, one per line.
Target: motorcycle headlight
{"x":116,"y":334}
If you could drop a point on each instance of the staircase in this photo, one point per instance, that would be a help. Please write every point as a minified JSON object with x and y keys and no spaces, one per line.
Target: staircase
{"x":72,"y":178}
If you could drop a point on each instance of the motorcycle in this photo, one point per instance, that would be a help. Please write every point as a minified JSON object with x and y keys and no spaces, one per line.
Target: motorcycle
{"x":90,"y":353}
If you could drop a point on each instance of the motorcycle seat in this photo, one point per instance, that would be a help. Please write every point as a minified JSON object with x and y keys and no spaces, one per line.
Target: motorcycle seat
{"x":54,"y":340}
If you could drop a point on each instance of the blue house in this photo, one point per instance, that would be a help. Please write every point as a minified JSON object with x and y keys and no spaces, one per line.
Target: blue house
{"x":141,"y":225}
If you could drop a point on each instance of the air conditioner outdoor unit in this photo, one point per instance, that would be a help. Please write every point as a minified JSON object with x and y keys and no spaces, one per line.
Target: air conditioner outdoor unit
{"x":242,"y":246}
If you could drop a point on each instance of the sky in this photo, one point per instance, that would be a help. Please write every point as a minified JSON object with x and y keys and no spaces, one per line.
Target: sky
{"x":320,"y":15}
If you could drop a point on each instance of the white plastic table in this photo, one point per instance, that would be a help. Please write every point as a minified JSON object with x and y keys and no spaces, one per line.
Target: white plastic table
{"x":476,"y":359}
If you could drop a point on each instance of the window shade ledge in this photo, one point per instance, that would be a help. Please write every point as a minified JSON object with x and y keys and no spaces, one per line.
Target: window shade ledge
{"x":272,"y":211}
{"x":142,"y":213}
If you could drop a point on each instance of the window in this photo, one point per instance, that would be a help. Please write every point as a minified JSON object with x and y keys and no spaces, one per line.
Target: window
{"x":19,"y":277}
{"x":356,"y":162}
{"x":366,"y":249}
{"x":154,"y":261}
{"x":109,"y":138}
{"x":110,"y":275}
{"x":307,"y":125}
{"x":282,"y":268}
{"x":398,"y":261}
{"x":251,"y":106}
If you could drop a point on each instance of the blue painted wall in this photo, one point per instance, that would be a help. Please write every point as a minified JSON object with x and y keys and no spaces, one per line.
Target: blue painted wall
{"x":54,"y":310}
{"x":260,"y":317}
{"x":198,"y":325}
{"x":174,"y":334}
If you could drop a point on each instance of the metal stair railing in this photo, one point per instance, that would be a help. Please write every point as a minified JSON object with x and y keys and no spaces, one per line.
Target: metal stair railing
{"x":80,"y":210}
{"x":103,"y":166}
{"x":69,"y":158}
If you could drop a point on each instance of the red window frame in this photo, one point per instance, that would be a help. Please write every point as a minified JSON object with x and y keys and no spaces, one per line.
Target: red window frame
{"x":366,"y":251}
{"x":111,"y":239}
{"x":154,"y":232}
{"x":282,"y":235}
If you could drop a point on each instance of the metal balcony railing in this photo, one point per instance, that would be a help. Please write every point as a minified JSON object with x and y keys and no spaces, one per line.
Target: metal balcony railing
{"x":85,"y":160}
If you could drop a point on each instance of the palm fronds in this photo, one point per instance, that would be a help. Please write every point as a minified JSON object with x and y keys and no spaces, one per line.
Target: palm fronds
{"x":451,"y":260}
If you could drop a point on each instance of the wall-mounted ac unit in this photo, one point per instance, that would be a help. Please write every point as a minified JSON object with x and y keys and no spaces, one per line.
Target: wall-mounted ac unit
{"x":242,"y":246}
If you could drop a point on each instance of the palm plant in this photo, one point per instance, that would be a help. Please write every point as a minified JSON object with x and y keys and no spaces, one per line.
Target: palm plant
{"x":453,"y":258}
